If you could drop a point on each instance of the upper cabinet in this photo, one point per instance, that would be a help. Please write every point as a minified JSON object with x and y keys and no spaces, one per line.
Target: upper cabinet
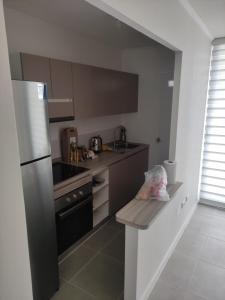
{"x":82,"y":91}
{"x":101,"y":92}
{"x":61,"y":103}
{"x":58,"y":76}
{"x":36,"y":68}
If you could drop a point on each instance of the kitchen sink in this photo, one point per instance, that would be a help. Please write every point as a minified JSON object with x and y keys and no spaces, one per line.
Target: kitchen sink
{"x":121,"y":148}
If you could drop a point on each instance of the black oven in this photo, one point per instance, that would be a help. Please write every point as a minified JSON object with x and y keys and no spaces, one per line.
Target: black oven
{"x":74,"y":216}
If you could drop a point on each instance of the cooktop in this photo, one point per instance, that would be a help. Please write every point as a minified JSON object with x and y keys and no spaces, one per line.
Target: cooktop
{"x":62,"y":171}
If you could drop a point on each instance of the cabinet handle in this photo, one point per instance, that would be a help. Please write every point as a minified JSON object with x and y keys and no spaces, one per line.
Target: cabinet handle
{"x":60,"y":100}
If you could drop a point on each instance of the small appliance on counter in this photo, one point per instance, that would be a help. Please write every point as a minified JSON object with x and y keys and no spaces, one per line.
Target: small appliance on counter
{"x":69,"y":141}
{"x":96,"y":144}
{"x":71,"y":152}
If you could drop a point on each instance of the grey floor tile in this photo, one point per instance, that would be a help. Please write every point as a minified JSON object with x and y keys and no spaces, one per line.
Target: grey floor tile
{"x":214,"y":252}
{"x":217,"y":228}
{"x":116,"y":224}
{"x":191,"y":243}
{"x":208,"y":281}
{"x":178,"y":270}
{"x":116,"y":248}
{"x":200,"y":223}
{"x":220,"y":213}
{"x":69,"y":292}
{"x":192,"y":296}
{"x":163,"y":291}
{"x":75,"y":261}
{"x":210,"y":211}
{"x":103,"y":277}
{"x":213,"y":226}
{"x":101,"y":237}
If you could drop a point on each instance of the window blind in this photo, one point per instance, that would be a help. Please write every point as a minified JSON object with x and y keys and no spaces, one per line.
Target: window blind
{"x":212,"y":186}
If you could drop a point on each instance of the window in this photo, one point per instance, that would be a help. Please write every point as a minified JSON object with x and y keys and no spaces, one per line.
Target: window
{"x":212,"y":189}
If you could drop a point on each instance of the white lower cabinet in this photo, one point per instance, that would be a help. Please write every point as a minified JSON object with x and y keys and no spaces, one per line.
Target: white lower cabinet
{"x":101,"y":196}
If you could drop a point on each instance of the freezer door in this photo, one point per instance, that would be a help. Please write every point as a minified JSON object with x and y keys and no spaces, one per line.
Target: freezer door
{"x":40,"y":217}
{"x":31,"y":119}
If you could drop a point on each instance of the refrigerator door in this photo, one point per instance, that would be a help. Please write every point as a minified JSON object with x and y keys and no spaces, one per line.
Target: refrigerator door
{"x":31,"y":119}
{"x":40,"y":217}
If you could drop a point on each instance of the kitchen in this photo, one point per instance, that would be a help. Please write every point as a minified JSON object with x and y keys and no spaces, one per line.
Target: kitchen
{"x":112,"y":170}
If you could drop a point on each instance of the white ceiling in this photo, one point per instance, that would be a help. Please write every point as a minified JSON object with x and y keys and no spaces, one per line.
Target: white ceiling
{"x":85,"y":19}
{"x":212,"y":14}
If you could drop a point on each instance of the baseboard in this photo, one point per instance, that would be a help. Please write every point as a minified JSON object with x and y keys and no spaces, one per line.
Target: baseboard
{"x":167,"y":256}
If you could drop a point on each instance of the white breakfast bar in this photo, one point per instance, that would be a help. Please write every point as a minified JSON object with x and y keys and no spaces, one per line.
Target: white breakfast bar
{"x":151,"y":235}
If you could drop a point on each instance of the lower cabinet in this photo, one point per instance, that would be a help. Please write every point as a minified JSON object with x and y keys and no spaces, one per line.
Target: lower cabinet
{"x":125,"y":179}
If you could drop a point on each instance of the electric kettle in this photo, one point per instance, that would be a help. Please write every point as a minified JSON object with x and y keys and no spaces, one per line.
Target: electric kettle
{"x":96,"y":144}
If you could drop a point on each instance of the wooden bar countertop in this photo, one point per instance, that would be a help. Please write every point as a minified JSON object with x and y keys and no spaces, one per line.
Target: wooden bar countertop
{"x":140,"y":213}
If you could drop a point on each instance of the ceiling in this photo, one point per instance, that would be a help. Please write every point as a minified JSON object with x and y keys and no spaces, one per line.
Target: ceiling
{"x":85,"y":19}
{"x":212,"y":14}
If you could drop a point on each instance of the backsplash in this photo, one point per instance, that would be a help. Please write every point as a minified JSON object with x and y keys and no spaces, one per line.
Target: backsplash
{"x":86,"y":129}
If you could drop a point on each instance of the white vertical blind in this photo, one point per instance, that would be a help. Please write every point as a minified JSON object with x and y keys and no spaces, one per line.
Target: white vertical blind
{"x":213,"y":160}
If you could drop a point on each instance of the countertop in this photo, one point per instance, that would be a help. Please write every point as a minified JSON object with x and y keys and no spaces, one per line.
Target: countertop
{"x":141,"y":213}
{"x":107,"y":158}
{"x":103,"y":161}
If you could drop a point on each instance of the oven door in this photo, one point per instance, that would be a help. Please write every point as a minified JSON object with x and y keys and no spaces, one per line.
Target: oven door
{"x":74,"y":223}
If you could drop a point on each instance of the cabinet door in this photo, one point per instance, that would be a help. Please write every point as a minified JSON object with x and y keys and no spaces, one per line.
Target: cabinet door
{"x":101,"y":92}
{"x":36,"y":68}
{"x":125,"y":179}
{"x":128,"y":92}
{"x":61,"y":102}
{"x":83,"y":91}
{"x":92,"y":91}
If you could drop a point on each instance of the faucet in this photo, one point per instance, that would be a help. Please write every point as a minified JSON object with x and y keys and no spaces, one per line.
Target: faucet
{"x":122,"y":137}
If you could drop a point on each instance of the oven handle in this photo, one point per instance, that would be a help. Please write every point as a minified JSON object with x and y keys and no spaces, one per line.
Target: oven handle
{"x":68,"y":212}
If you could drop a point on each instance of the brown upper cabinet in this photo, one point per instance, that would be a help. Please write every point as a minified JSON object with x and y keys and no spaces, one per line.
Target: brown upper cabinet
{"x":36,"y":68}
{"x":100,"y":92}
{"x":81,"y":90}
{"x":58,"y":76}
{"x":61,"y":104}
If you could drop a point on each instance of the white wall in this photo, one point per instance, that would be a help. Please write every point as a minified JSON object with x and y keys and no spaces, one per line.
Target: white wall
{"x":147,"y":251}
{"x":155,"y":66}
{"x":152,"y":64}
{"x":32,"y":35}
{"x":169,"y":22}
{"x":15,"y":279}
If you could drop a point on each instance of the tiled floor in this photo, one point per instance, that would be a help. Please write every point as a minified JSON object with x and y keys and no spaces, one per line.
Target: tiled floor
{"x":95,"y":270}
{"x":196,"y":270}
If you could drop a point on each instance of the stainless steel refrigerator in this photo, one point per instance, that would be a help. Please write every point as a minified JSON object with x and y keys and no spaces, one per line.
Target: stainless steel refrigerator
{"x":36,"y":169}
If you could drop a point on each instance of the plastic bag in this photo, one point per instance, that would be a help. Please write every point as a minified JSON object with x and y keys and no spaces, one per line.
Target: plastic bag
{"x":155,"y":185}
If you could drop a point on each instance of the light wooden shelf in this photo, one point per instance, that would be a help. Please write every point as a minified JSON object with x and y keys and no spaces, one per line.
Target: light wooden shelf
{"x":101,"y":197}
{"x":101,"y":213}
{"x":99,"y":187}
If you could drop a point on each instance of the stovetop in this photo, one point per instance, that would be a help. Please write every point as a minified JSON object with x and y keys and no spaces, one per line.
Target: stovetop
{"x":62,"y":171}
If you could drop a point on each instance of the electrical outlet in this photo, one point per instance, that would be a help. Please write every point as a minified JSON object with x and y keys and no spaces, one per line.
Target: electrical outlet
{"x":186,"y":199}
